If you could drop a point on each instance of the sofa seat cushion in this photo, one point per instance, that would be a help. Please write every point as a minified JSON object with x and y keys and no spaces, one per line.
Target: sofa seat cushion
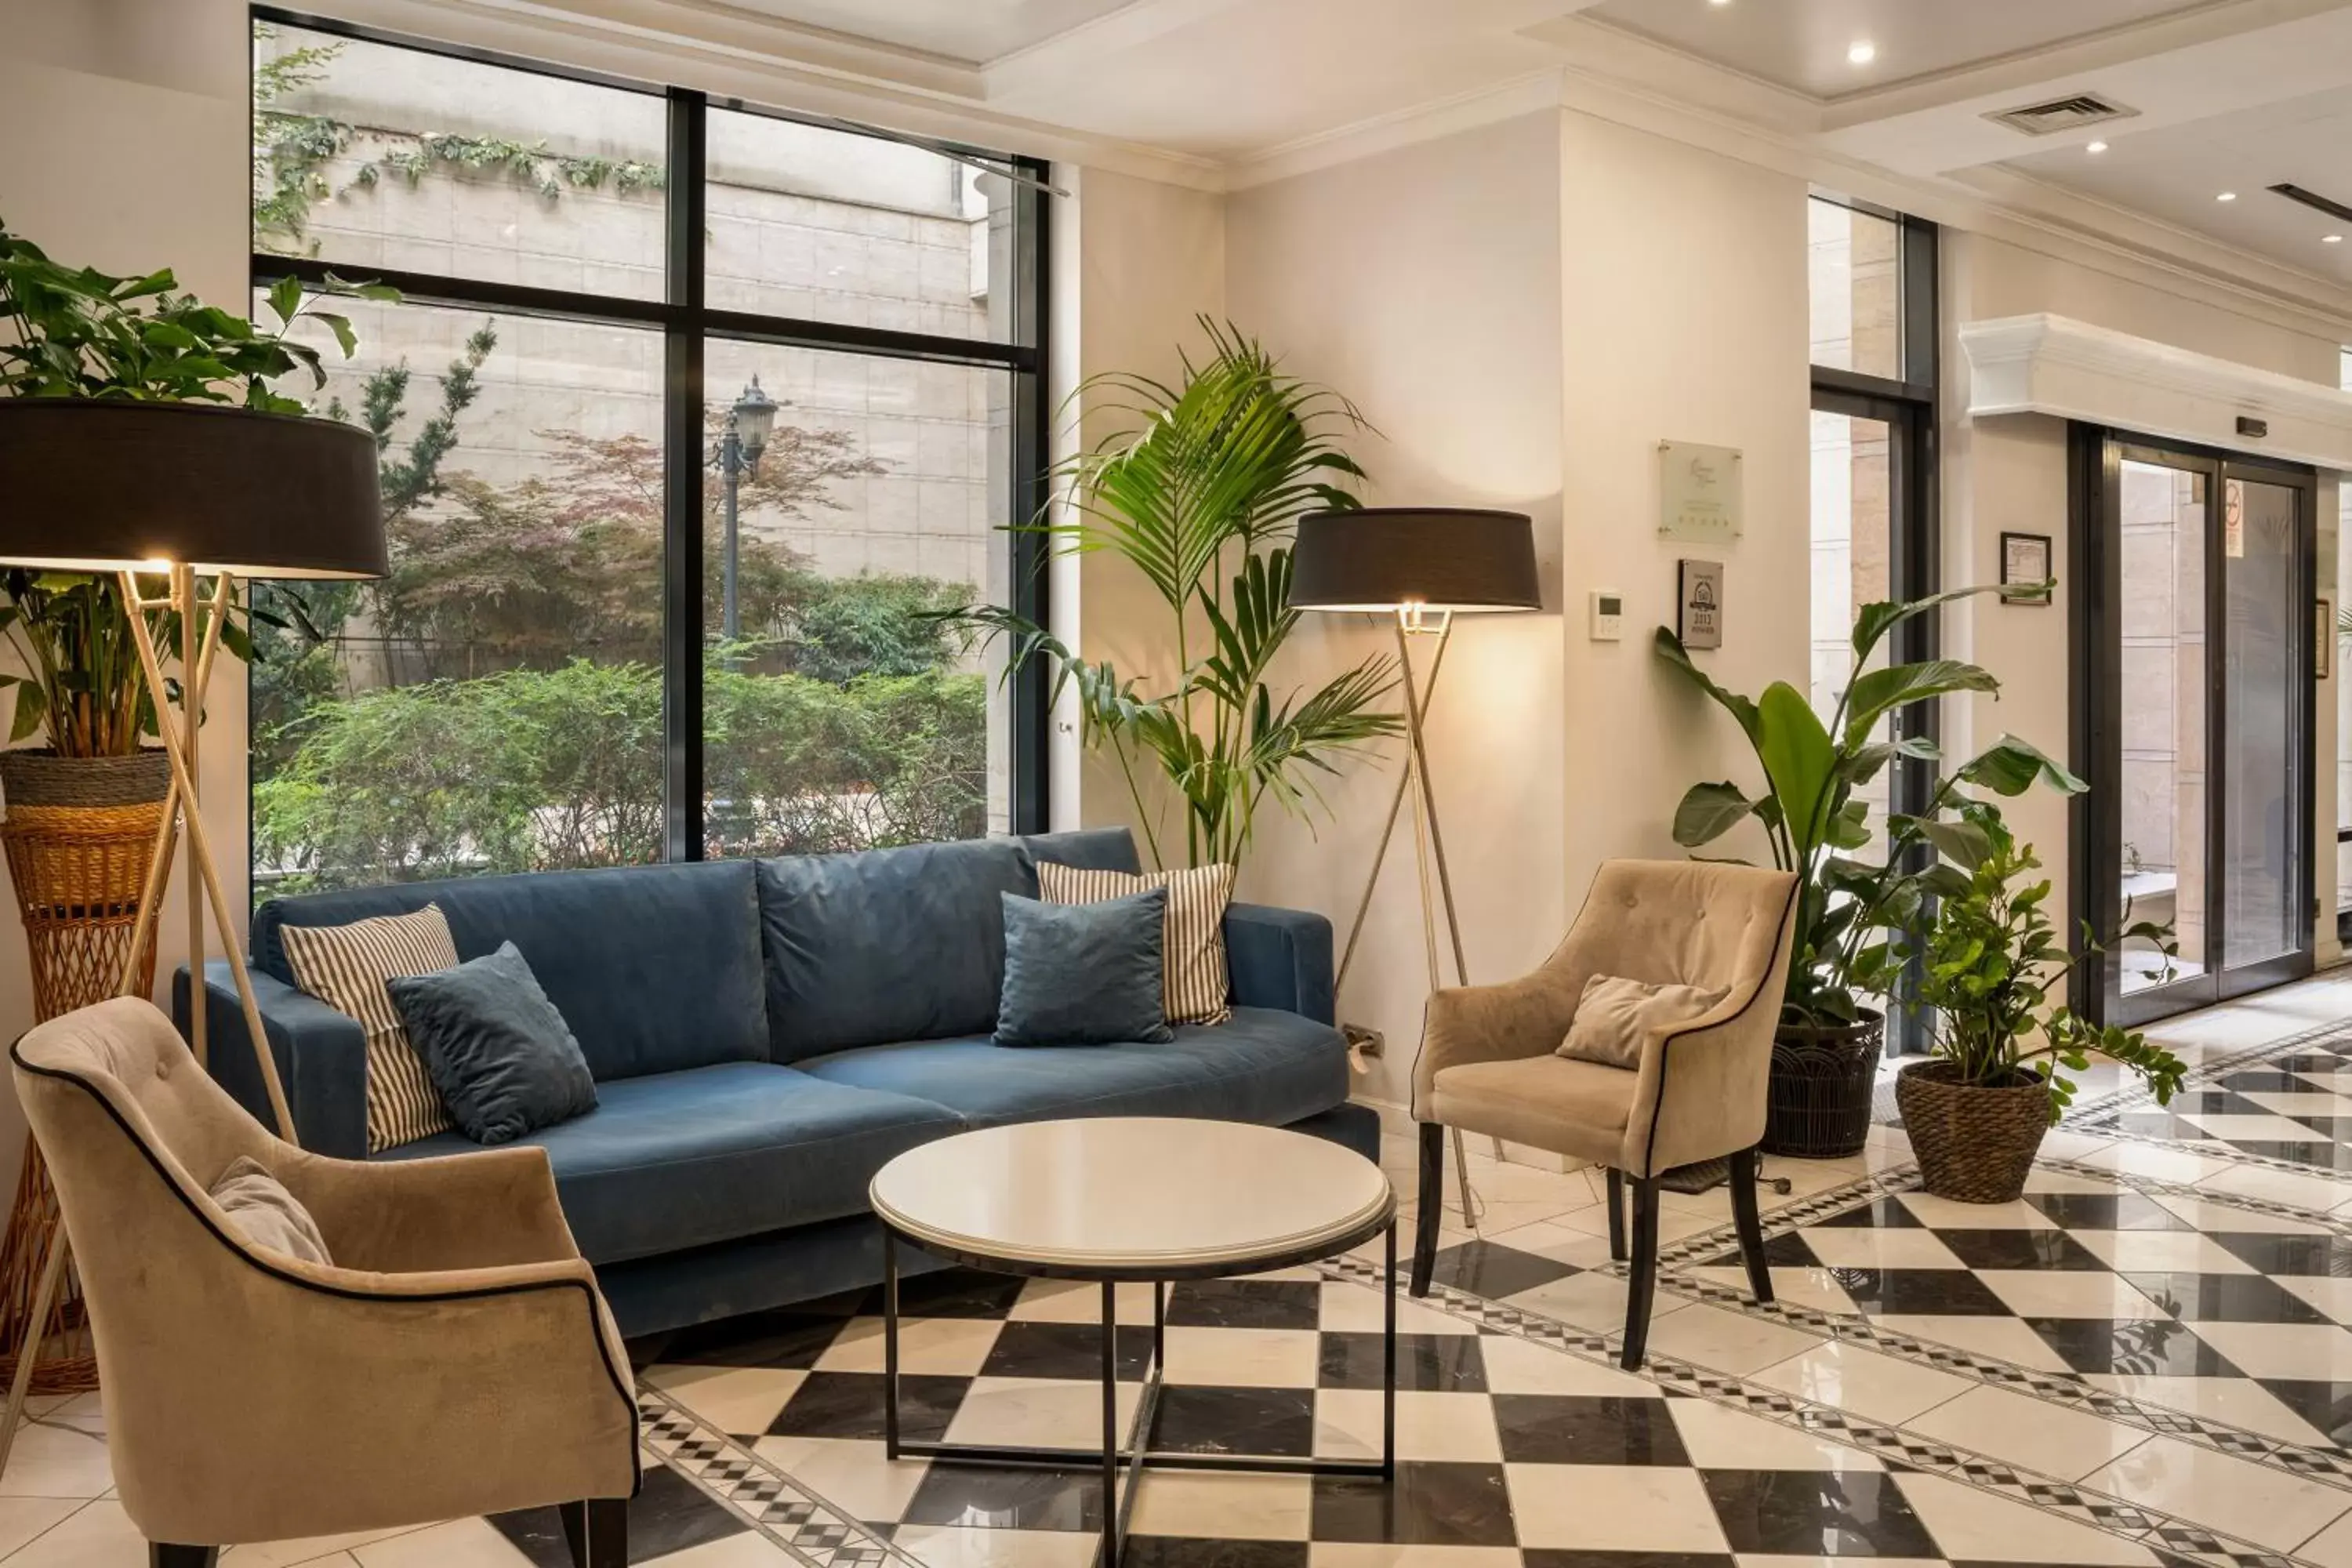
{"x":1265,"y":1067}
{"x":675,"y":1160}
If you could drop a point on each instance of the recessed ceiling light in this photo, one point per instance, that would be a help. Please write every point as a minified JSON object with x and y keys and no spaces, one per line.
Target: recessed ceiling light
{"x":1862,"y":53}
{"x":1719,"y":2}
{"x":2095,"y":147}
{"x":2331,"y":239}
{"x":2226,"y":196}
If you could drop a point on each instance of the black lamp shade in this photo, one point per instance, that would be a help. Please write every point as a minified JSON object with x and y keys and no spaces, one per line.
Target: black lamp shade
{"x":96,"y":485}
{"x":1443,"y":558}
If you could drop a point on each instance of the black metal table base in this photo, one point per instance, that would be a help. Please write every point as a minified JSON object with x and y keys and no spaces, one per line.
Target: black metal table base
{"x":1136,"y":1451}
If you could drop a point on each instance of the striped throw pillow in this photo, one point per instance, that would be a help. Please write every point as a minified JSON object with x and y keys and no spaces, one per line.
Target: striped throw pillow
{"x":346,"y":967}
{"x":1194,"y":987}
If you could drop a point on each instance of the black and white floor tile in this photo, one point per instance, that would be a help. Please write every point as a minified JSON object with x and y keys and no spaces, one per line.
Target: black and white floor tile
{"x":2147,"y":1360}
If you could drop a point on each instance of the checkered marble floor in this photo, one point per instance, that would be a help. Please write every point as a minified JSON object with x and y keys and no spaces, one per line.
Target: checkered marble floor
{"x":2147,"y":1360}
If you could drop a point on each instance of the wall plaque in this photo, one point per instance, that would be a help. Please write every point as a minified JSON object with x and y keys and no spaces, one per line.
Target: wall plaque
{"x":1699,"y":604}
{"x":1699,"y":493}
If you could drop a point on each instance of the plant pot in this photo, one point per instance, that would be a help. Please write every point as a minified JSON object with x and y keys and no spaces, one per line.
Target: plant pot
{"x":1818,"y":1100}
{"x":38,"y":776}
{"x":80,"y":833}
{"x":1974,"y":1143}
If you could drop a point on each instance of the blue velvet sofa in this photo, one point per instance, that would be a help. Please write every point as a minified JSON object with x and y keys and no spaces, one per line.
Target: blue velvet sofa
{"x":765,"y":1035}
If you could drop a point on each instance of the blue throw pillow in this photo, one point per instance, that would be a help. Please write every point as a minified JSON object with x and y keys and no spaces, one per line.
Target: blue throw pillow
{"x":1083,"y":975}
{"x":500,"y":1054}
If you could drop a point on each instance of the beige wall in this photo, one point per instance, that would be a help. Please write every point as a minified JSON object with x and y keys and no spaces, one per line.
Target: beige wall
{"x":122,"y":145}
{"x":1151,"y":259}
{"x":1424,"y":284}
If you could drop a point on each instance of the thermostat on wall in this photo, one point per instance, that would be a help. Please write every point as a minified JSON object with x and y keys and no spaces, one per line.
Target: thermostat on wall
{"x":1608,"y":615}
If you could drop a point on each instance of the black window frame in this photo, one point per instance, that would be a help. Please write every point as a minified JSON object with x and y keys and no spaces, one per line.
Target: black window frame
{"x":686,"y":322}
{"x":1908,"y":404}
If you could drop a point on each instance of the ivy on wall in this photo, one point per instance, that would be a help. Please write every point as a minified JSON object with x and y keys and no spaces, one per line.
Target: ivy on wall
{"x":291,"y":152}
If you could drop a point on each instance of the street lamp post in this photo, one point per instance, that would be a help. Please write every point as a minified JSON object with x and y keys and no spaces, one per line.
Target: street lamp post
{"x":749,"y":424}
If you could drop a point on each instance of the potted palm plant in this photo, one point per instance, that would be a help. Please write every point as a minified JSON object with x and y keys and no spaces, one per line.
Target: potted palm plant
{"x":1994,"y":1082}
{"x":1826,"y":1051}
{"x":1201,"y":496}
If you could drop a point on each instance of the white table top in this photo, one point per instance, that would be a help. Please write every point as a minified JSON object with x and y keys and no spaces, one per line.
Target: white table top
{"x":1132,"y":1193}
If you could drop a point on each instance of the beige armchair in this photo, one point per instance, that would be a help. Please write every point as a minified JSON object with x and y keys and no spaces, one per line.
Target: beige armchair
{"x":456,"y":1360}
{"x":1488,"y":1061}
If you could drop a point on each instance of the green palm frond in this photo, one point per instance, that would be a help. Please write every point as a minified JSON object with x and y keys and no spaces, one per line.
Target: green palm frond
{"x":1200,"y":492}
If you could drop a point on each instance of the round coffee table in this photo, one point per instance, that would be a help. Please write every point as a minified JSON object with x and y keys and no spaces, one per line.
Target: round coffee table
{"x":1118,"y":1199}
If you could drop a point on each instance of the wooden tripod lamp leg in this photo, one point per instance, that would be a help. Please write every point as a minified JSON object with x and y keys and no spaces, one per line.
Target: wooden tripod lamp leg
{"x":200,"y":850}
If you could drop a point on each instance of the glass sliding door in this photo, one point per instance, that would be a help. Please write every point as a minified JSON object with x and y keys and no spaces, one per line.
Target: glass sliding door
{"x":2193,"y":682}
{"x":2162,"y":651}
{"x":2266,"y":891}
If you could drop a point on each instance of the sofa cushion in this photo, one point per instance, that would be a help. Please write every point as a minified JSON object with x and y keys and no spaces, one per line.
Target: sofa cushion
{"x":906,"y":943}
{"x":1264,"y":1067}
{"x":672,"y":1161}
{"x":657,"y":968}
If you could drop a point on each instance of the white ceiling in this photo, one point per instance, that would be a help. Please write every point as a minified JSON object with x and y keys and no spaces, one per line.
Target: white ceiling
{"x":972,"y":31}
{"x":2231,"y":94}
{"x":2177,"y":173}
{"x":1802,"y":44}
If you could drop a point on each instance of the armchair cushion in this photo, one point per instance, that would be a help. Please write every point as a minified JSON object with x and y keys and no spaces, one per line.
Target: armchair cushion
{"x":1616,"y":1018}
{"x":1574,"y":1108}
{"x":261,"y":1210}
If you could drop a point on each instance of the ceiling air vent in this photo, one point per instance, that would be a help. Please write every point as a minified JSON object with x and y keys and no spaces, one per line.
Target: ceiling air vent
{"x":2314,"y":201}
{"x":2062,"y":114}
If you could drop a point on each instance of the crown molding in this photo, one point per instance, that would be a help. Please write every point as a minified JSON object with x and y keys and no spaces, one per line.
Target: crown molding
{"x":2071,"y":370}
{"x":1530,"y":94}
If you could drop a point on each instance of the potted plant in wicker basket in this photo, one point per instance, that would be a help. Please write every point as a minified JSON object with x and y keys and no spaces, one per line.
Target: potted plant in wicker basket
{"x":1994,"y":1081}
{"x":1826,"y":1052}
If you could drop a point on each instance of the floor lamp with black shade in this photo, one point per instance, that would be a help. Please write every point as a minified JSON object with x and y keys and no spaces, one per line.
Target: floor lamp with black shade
{"x":182,"y":492}
{"x":1421,"y":568}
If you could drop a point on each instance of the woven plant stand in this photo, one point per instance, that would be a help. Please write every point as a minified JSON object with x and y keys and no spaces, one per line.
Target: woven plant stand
{"x":1974,"y":1146}
{"x":78,"y":835}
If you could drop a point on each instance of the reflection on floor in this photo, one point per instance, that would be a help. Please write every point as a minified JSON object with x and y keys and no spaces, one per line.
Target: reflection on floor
{"x":2144,"y":1362}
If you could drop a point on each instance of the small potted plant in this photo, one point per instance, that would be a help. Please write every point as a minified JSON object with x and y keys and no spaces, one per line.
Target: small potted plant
{"x":1977,"y":1109}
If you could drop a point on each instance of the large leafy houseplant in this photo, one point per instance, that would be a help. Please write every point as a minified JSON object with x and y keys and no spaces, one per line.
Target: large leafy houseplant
{"x":1199,"y":495}
{"x":1991,"y":958}
{"x":1814,"y":818}
{"x":1987,"y":961}
{"x":79,"y":333}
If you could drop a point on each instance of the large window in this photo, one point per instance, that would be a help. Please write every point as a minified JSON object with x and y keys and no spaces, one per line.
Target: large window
{"x":692,"y":417}
{"x":1872,"y":285}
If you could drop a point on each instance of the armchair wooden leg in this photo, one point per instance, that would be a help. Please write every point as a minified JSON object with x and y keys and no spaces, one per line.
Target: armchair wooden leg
{"x":1431,"y":1203}
{"x":163,"y":1555}
{"x":1616,"y":1216}
{"x":1750,"y":1227}
{"x":1641,"y":1276}
{"x":597,"y":1532}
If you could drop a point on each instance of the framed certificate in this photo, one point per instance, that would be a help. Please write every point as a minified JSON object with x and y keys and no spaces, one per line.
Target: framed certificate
{"x":2025,"y":568}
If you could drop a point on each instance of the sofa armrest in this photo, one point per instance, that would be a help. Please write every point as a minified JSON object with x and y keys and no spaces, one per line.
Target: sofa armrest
{"x":321,"y":1057}
{"x":1279,"y":958}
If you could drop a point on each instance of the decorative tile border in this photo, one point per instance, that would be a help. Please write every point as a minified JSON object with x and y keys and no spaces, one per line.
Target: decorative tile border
{"x":2102,"y":1116}
{"x":757,"y":1490}
{"x":2151,"y":1528}
{"x":2328,"y":1465}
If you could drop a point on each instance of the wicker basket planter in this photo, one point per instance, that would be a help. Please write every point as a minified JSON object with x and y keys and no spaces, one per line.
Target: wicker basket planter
{"x":1818,"y":1100}
{"x":1974,"y":1144}
{"x":78,"y":834}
